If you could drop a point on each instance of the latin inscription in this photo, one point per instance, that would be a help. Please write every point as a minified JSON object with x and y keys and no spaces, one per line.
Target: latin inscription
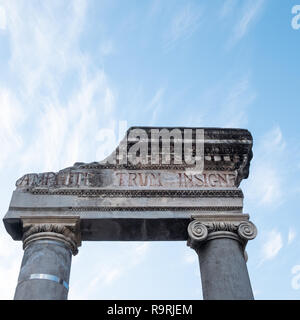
{"x":206,"y":180}
{"x":127,"y":179}
{"x":180,"y":180}
{"x":66,"y":179}
{"x":139,"y":179}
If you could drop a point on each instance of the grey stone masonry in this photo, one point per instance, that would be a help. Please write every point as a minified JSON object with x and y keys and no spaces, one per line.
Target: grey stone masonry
{"x":143,"y":201}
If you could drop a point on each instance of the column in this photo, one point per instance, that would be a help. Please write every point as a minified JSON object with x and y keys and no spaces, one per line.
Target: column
{"x":48,"y":249}
{"x":221,"y":250}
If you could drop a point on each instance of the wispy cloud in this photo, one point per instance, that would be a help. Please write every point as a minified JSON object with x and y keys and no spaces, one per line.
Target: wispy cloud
{"x":41,"y":42}
{"x":256,"y":293}
{"x":247,"y":16}
{"x":234,"y":106}
{"x":155,"y":105}
{"x":227,"y":8}
{"x":273,"y":141}
{"x":226,"y":104}
{"x":184,"y":23}
{"x":3,"y":21}
{"x":272,"y":246}
{"x":10,"y":257}
{"x":106,"y":274}
{"x":190,"y":257}
{"x":47,"y":60}
{"x":65,"y":129}
{"x":267,"y":170}
{"x":295,"y":283}
{"x":11,"y":118}
{"x":291,"y":235}
{"x":107,"y":48}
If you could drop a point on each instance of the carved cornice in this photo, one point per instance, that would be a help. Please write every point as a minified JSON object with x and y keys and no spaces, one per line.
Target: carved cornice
{"x":224,"y":150}
{"x":65,"y":230}
{"x":201,"y":231}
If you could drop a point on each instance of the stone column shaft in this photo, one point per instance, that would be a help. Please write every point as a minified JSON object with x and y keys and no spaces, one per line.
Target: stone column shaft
{"x":224,"y":273}
{"x":46,"y":264}
{"x":45,"y":271}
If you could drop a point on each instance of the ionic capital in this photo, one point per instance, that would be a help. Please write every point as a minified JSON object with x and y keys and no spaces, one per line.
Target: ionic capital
{"x":65,"y":230}
{"x":201,"y":230}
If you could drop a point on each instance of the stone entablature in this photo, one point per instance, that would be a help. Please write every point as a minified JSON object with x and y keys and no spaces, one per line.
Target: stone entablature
{"x":121,"y":201}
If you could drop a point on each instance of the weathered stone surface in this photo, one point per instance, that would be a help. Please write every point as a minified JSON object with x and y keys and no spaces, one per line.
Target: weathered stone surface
{"x":45,"y":271}
{"x":223,"y":270}
{"x":116,"y":200}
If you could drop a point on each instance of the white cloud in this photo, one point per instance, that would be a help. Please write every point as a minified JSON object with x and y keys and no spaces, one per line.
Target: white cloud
{"x":226,"y":103}
{"x":139,"y":253}
{"x":291,"y":235}
{"x":11,"y":117}
{"x":112,"y":275}
{"x":256,"y":293}
{"x":67,"y":132}
{"x":235,"y":104}
{"x":155,"y":104}
{"x":185,"y":22}
{"x":190,"y":257}
{"x":227,"y":8}
{"x":273,"y":141}
{"x":295,"y":283}
{"x":3,"y":20}
{"x":141,"y":249}
{"x":8,"y":280}
{"x":248,"y":15}
{"x":265,"y":186}
{"x":41,"y":42}
{"x":107,"y":48}
{"x":10,"y":257}
{"x":272,"y":246}
{"x":47,"y":60}
{"x":105,"y":275}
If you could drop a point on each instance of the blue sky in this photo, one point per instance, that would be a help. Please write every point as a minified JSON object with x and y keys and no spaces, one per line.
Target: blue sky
{"x":72,"y":71}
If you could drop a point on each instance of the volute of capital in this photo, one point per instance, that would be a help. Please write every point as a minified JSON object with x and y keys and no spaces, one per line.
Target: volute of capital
{"x":197,"y":234}
{"x":247,"y":230}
